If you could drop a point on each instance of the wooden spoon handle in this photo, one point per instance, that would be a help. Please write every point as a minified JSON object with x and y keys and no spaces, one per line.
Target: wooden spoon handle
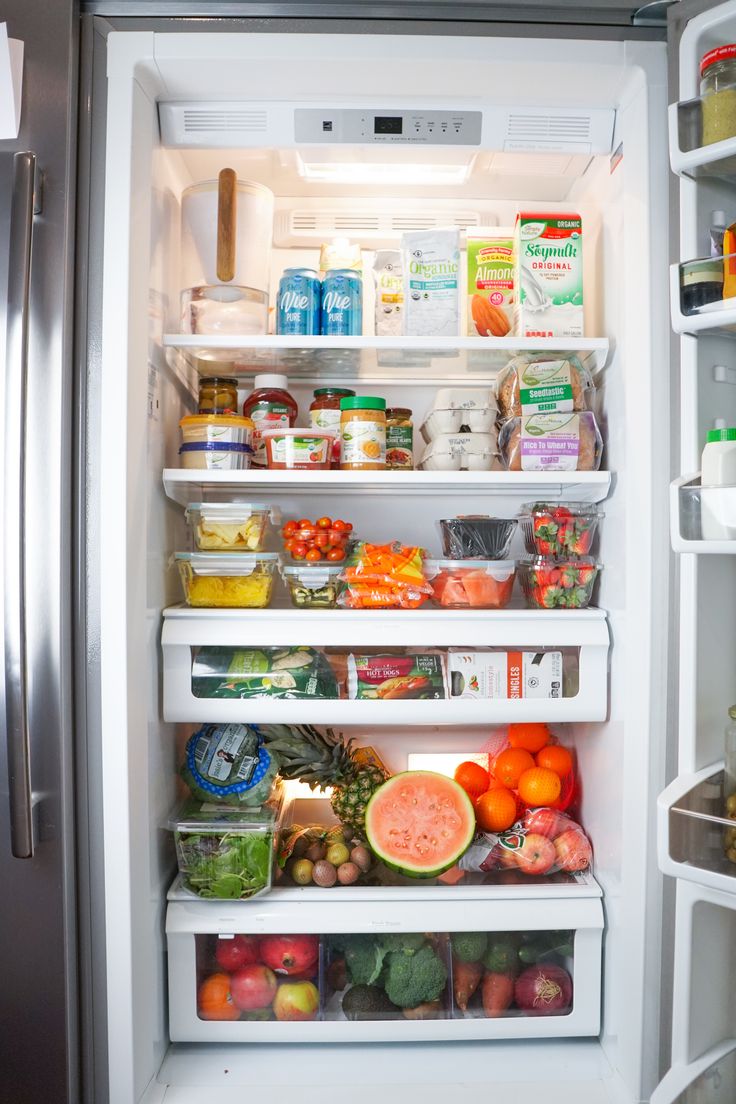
{"x":226,"y":228}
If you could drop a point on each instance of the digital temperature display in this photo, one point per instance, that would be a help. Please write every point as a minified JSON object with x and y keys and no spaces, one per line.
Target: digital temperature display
{"x":387,"y":124}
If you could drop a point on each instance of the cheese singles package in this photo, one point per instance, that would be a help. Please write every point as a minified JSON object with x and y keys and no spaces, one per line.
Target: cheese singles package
{"x":479,"y":675}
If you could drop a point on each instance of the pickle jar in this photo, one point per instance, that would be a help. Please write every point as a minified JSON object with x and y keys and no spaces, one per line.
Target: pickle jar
{"x":718,"y":93}
{"x":399,"y":439}
{"x":218,"y":395}
{"x":362,"y":433}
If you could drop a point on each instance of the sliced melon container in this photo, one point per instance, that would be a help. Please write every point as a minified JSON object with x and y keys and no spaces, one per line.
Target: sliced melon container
{"x":471,"y":584}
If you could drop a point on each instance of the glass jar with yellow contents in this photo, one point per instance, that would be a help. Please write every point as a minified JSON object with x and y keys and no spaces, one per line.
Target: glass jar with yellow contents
{"x":362,"y":433}
{"x":718,"y":93}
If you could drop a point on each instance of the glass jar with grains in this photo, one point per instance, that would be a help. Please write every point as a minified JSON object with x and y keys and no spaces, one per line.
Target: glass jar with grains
{"x":399,"y":438}
{"x":718,"y":94}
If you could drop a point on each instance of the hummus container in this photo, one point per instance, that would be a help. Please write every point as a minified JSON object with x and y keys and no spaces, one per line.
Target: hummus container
{"x":221,"y":429}
{"x":228,"y":526}
{"x":313,"y":586}
{"x":298,"y":449}
{"x":486,"y":537}
{"x":471,"y":584}
{"x":227,"y":581}
{"x":460,"y":452}
{"x":212,"y":456}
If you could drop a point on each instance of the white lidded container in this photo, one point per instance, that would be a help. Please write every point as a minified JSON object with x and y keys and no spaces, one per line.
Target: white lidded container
{"x":226,"y":236}
{"x":718,"y":484}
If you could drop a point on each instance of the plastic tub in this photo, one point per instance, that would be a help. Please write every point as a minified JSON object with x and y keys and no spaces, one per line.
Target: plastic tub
{"x":226,"y":853}
{"x":475,"y":584}
{"x":298,"y":449}
{"x":221,"y":429}
{"x":228,"y":526}
{"x":560,"y":529}
{"x":483,"y":537}
{"x":551,"y":442}
{"x":215,"y":580}
{"x":460,"y":452}
{"x":312,"y":586}
{"x":557,"y":584}
{"x":212,"y":456}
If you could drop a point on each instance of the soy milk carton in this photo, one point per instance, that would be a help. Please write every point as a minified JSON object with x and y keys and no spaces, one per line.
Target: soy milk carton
{"x":549,"y":259}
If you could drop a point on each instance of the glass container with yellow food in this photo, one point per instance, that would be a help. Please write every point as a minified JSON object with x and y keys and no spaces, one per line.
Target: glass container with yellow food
{"x":212,"y":580}
{"x":228,"y":526}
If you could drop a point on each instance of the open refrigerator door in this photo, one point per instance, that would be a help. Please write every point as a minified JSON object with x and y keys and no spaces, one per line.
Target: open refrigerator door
{"x":483,"y":617}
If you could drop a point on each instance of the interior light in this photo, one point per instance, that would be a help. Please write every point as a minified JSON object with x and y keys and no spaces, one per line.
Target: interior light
{"x":301,"y":791}
{"x":377,"y":172}
{"x":444,"y":763}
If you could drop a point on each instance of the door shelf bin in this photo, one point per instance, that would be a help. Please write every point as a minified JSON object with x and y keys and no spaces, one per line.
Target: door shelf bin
{"x":581,"y":635}
{"x":193,"y":931}
{"x":709,"y":1080}
{"x":700,"y":516}
{"x":688,"y":156}
{"x":692,"y":828}
{"x":717,"y":318}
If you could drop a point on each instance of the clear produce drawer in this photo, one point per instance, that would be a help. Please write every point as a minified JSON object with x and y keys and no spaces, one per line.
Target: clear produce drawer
{"x":245,"y":974}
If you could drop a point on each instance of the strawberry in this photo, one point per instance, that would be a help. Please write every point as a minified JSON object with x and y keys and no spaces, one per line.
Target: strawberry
{"x":568,"y":575}
{"x":497,"y":993}
{"x":551,"y":597}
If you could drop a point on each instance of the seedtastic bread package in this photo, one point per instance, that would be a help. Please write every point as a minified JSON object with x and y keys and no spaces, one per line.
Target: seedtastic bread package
{"x":491,"y":279}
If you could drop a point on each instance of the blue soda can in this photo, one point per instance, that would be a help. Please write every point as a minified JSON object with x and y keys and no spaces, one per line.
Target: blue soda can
{"x":342,"y":303}
{"x":299,"y":302}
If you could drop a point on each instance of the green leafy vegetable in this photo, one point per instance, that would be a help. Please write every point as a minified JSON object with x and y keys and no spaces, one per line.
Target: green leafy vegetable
{"x":229,"y":866}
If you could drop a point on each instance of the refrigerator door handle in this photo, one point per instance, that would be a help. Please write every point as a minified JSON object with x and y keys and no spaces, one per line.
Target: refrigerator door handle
{"x":16,"y":704}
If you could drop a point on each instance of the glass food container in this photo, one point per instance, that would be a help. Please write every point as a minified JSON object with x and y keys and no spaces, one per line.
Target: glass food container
{"x":228,"y":526}
{"x":214,"y":580}
{"x":718,"y":93}
{"x":471,"y":584}
{"x":218,"y":395}
{"x":312,"y":586}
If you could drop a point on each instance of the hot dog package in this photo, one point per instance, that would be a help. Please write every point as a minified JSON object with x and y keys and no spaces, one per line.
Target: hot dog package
{"x":393,"y":677}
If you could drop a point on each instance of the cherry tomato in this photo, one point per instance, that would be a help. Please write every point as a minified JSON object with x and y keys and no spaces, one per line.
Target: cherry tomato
{"x":288,"y":545}
{"x":307,"y":532}
{"x":336,"y":554}
{"x":338,"y":538}
{"x":289,"y":529}
{"x":342,"y":526}
{"x":322,"y":539}
{"x":313,"y":554}
{"x":299,"y":550}
{"x":303,"y":523}
{"x":324,"y":523}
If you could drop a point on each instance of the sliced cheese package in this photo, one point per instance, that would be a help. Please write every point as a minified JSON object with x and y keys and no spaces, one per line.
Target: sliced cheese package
{"x":511,"y":674}
{"x":229,"y":526}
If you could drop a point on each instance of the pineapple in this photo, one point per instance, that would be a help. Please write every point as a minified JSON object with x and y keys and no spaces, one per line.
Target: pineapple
{"x":327,"y":759}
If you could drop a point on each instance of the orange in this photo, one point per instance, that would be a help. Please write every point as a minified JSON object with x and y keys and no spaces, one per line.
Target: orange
{"x":495,"y":811}
{"x":557,"y":759}
{"x":539,"y":786}
{"x":473,"y":778}
{"x":214,"y":1000}
{"x":532,"y":737}
{"x":510,"y":765}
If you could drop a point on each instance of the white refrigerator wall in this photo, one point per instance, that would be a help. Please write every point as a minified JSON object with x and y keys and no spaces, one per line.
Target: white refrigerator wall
{"x":143,"y":398}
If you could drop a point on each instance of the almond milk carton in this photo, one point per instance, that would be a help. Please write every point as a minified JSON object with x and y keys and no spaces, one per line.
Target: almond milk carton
{"x":549,"y":260}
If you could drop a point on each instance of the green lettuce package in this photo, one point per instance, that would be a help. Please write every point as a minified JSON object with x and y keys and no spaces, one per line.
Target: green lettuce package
{"x":220,"y":672}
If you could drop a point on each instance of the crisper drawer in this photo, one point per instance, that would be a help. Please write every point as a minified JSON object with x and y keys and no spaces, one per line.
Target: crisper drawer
{"x":489,"y":969}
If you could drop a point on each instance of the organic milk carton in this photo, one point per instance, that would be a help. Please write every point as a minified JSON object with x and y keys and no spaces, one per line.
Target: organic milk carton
{"x":549,"y":260}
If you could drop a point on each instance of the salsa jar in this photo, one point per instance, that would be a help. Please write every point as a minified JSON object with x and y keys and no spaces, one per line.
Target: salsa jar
{"x":399,"y":439}
{"x":218,"y":395}
{"x":362,"y":433}
{"x":324,"y":414}
{"x":718,"y":93}
{"x":271,"y":407}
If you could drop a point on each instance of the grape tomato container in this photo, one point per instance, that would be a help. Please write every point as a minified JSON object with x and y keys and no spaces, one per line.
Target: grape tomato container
{"x":226,"y":853}
{"x":298,"y":449}
{"x":312,"y":585}
{"x":471,"y":584}
{"x":486,"y":538}
{"x":213,"y":456}
{"x":557,"y":584}
{"x":240,"y":580}
{"x":559,"y":529}
{"x":229,"y":526}
{"x":460,"y":452}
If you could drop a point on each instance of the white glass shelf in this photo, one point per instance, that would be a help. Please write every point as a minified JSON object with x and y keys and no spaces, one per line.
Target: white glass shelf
{"x":185,"y":485}
{"x":376,"y":358}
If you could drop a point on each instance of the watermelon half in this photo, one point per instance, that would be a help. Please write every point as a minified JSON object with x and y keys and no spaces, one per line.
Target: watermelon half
{"x":419,"y":823}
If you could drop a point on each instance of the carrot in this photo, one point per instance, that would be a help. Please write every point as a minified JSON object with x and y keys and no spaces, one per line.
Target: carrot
{"x":465,"y":980}
{"x":497,"y":993}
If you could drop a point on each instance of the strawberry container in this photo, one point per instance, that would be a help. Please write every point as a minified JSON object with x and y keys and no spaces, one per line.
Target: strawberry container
{"x":557,"y":584}
{"x":559,"y":529}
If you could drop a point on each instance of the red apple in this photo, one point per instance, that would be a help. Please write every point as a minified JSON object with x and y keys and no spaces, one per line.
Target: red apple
{"x":240,"y":950}
{"x":296,"y":1001}
{"x":536,"y":855}
{"x":573,"y":850}
{"x":289,"y":954}
{"x":253,"y":987}
{"x":544,"y":822}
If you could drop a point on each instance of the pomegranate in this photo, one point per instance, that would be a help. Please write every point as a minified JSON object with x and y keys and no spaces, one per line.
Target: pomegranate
{"x":289,"y":954}
{"x":241,"y":950}
{"x":253,"y":987}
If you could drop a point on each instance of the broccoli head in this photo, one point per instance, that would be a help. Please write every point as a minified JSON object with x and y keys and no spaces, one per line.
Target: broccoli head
{"x":414,"y":979}
{"x":403,"y":942}
{"x":363,"y":959}
{"x":469,"y":946}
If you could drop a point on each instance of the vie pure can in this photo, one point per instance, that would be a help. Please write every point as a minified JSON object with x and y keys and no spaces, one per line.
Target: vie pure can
{"x":299,"y":305}
{"x":342,"y":303}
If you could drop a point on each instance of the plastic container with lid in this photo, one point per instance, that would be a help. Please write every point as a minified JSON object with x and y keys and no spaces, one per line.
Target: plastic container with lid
{"x":298,"y":449}
{"x":474,"y":584}
{"x":718,"y":470}
{"x":718,"y":93}
{"x":460,"y":452}
{"x":312,"y":585}
{"x":213,"y":456}
{"x":362,"y":433}
{"x":559,"y":529}
{"x":228,"y":526}
{"x":701,"y":283}
{"x":214,"y":580}
{"x":218,"y":395}
{"x":557,"y":584}
{"x":473,"y":536}
{"x":270,"y":406}
{"x":221,"y":429}
{"x":399,"y":439}
{"x":324,"y":414}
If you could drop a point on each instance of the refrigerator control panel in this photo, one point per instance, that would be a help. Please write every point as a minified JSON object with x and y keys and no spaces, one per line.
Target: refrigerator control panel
{"x":356,"y":126}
